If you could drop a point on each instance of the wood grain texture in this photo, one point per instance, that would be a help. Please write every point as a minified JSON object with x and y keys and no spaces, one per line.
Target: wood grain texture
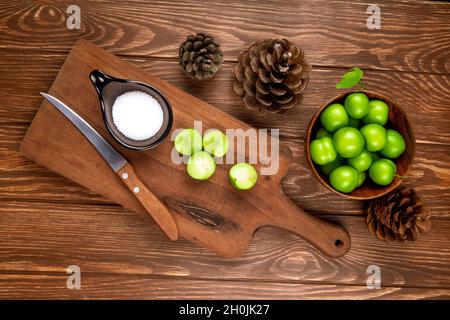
{"x":109,"y":239}
{"x":424,"y":97}
{"x":155,"y":28}
{"x":22,"y":179}
{"x":49,"y":286}
{"x":39,"y":240}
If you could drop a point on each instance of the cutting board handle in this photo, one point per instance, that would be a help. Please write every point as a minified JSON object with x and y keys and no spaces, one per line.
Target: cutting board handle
{"x":332,"y":239}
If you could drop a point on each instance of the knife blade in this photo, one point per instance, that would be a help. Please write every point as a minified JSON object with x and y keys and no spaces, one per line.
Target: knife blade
{"x":115,"y":160}
{"x":122,"y":168}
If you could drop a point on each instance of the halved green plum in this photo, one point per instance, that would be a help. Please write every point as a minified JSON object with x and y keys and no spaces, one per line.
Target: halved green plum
{"x":188,"y":141}
{"x":215,"y":142}
{"x":201,"y":166}
{"x":243,"y":176}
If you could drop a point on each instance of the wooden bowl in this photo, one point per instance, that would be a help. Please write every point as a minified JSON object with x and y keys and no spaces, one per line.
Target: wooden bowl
{"x":397,"y":120}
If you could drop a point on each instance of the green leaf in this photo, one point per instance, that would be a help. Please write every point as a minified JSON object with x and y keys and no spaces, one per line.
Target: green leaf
{"x":350,"y":79}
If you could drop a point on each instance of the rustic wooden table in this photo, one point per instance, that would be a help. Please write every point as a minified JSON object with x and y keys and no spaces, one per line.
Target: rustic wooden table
{"x":48,"y":223}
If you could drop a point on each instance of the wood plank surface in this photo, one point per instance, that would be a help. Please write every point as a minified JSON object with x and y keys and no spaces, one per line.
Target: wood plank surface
{"x":109,"y":239}
{"x":48,"y":223}
{"x":22,"y":179}
{"x":423,"y":96}
{"x":427,"y":111}
{"x":413,"y":36}
{"x":50,"y":286}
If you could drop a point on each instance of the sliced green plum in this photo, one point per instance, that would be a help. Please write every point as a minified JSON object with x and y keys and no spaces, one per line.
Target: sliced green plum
{"x":243,"y":176}
{"x":188,"y":141}
{"x":215,"y":142}
{"x":201,"y":166}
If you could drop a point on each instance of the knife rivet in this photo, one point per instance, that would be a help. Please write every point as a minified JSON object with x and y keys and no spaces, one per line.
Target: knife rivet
{"x":136,"y":190}
{"x":125,"y":175}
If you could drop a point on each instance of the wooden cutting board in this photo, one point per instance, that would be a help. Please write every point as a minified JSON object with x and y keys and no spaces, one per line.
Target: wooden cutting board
{"x":210,"y":213}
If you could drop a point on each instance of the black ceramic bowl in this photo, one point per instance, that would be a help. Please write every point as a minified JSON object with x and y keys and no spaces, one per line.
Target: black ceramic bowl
{"x":109,"y":88}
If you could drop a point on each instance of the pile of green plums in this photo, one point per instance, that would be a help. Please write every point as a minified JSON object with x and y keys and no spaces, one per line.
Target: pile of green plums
{"x":353,"y":140}
{"x":202,"y":150}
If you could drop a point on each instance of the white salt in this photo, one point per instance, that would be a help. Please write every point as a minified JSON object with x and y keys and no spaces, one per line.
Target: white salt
{"x":137,"y":115}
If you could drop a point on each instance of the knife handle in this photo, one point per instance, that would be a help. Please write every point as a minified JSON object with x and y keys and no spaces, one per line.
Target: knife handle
{"x":157,"y":210}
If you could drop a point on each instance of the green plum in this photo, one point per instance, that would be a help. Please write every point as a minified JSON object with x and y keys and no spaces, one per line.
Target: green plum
{"x":322,"y":133}
{"x":375,"y":137}
{"x":382,"y":171}
{"x":362,"y":161}
{"x":361,"y":178}
{"x":215,"y":142}
{"x":334,"y":117}
{"x":188,"y":141}
{"x":348,"y":142}
{"x":243,"y":176}
{"x":395,"y":145}
{"x":344,"y":179}
{"x":357,"y":105}
{"x":322,"y":151}
{"x":353,"y":122}
{"x":378,"y":113}
{"x":327,"y":168}
{"x":201,"y":166}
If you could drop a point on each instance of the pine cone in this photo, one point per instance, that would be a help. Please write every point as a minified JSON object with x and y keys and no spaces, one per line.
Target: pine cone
{"x":200,"y":56}
{"x":271,"y":76}
{"x":398,"y":216}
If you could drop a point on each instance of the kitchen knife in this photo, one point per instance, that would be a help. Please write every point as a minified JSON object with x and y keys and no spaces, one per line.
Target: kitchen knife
{"x":122,"y":168}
